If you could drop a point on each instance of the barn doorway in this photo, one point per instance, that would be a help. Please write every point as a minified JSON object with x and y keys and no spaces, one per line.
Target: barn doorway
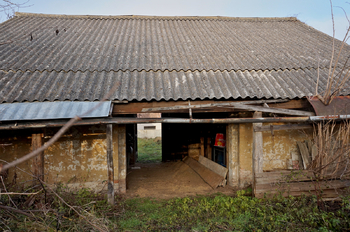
{"x":170,"y":176}
{"x":149,"y":142}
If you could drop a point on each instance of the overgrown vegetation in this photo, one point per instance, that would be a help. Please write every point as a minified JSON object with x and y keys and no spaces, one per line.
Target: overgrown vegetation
{"x":149,"y":150}
{"x":201,"y":213}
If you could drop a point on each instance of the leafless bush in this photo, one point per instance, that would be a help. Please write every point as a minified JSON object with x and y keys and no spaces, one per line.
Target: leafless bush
{"x":8,"y":7}
{"x":332,"y":159}
{"x":338,"y":71}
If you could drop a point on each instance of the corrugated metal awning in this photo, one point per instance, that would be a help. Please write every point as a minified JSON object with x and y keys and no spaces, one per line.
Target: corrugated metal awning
{"x":52,"y":110}
{"x":340,"y":105}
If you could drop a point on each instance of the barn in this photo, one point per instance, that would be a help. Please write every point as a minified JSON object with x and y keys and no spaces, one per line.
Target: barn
{"x":249,"y":82}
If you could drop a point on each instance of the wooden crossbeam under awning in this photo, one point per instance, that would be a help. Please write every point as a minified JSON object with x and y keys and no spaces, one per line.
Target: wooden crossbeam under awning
{"x":246,"y":105}
{"x":206,"y":106}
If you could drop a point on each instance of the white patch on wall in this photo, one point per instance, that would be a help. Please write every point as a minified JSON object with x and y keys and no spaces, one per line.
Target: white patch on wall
{"x":149,"y":130}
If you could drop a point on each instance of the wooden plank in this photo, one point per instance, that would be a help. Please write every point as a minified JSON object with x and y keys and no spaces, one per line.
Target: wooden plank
{"x":38,"y":161}
{"x":284,"y":127}
{"x":283,"y":172}
{"x":110,"y":166}
{"x":304,"y":186}
{"x":201,"y":106}
{"x":136,"y":107}
{"x":211,"y":178}
{"x":272,"y":183}
{"x":293,"y":104}
{"x":289,"y":176}
{"x":304,"y":154}
{"x":308,"y":144}
{"x":215,"y":167}
{"x":175,"y":108}
{"x":272,"y":110}
{"x":209,"y":149}
{"x":241,"y":106}
{"x":326,"y":194}
{"x":202,"y":146}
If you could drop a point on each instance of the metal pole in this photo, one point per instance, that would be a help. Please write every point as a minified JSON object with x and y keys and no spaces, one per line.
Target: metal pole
{"x":102,"y":121}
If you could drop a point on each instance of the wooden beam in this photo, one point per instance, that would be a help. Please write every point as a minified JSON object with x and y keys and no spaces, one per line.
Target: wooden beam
{"x":257,"y":150}
{"x":110,"y":166}
{"x":283,"y":127}
{"x":211,"y":178}
{"x":272,"y":110}
{"x":38,"y":161}
{"x":201,"y":106}
{"x":202,"y":146}
{"x":186,"y":107}
{"x":292,"y":104}
{"x":234,"y":105}
{"x":137,"y":107}
{"x":208,"y":150}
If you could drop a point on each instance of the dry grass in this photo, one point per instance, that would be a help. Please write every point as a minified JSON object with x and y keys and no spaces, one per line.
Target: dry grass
{"x":332,"y":141}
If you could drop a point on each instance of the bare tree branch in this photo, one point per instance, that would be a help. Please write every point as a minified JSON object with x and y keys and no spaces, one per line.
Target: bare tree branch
{"x":9,"y":7}
{"x":64,"y":202}
{"x":68,"y":125}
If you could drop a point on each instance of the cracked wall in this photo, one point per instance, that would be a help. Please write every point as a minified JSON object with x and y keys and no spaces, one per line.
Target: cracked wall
{"x":278,"y":149}
{"x":77,"y":158}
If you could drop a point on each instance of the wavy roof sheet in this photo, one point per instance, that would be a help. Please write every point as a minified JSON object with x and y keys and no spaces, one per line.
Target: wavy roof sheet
{"x":92,"y":86}
{"x":127,"y":43}
{"x":80,"y":58}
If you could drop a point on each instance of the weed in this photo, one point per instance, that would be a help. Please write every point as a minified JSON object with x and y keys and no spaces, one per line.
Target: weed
{"x":149,"y":150}
{"x":201,"y":213}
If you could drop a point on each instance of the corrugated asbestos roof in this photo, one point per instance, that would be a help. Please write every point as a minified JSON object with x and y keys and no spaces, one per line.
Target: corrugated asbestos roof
{"x":151,"y":43}
{"x":92,"y":86}
{"x":53,"y":110}
{"x":79,"y":58}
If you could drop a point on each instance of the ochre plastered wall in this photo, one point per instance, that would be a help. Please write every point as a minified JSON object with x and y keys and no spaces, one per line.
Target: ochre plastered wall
{"x":278,"y":149}
{"x":281,"y":146}
{"x":78,"y":158}
{"x":13,"y":147}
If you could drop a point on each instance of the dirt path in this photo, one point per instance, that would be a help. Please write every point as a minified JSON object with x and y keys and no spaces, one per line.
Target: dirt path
{"x":168,"y":180}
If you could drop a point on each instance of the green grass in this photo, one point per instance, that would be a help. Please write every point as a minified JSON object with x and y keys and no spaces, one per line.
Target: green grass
{"x":201,"y":213}
{"x":149,"y":150}
{"x":224,"y":213}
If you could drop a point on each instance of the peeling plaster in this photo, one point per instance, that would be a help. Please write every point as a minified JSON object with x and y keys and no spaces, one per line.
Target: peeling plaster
{"x":278,"y":149}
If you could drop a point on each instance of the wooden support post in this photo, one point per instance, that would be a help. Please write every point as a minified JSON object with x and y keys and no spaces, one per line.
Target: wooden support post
{"x":133,"y":154}
{"x":122,"y":157}
{"x":135,"y":143}
{"x":202,"y":146}
{"x":232,"y":155}
{"x":257,"y":149}
{"x":110,"y":167}
{"x":208,"y":150}
{"x":38,"y":161}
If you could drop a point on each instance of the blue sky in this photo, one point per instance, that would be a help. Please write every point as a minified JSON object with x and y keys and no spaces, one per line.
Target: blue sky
{"x":315,"y":13}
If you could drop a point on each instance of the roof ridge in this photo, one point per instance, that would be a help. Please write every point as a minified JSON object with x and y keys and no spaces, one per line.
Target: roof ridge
{"x":145,"y":17}
{"x":158,"y":70}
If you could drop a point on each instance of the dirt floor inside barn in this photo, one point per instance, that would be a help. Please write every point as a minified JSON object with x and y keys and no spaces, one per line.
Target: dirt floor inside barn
{"x":168,"y":180}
